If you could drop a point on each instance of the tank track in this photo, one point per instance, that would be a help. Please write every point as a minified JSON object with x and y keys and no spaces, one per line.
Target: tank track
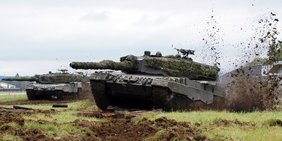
{"x":99,"y":92}
{"x":161,"y":98}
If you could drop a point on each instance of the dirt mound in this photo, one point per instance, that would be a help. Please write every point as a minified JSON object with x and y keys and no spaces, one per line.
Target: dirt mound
{"x":275,"y":122}
{"x":32,"y":135}
{"x":123,"y":130}
{"x":224,"y":122}
{"x":160,"y":129}
{"x":172,"y":130}
{"x":111,"y":115}
{"x":7,"y":119}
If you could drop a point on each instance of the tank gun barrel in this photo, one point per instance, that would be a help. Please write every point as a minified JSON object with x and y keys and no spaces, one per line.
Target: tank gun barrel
{"x":106,"y":64}
{"x":21,"y":79}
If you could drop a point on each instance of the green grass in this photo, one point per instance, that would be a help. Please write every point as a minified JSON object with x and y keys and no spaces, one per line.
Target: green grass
{"x":61,"y":115}
{"x":206,"y":117}
{"x":12,"y":96}
{"x":9,"y":137}
{"x":59,"y":123}
{"x":53,"y":130}
{"x":261,"y":131}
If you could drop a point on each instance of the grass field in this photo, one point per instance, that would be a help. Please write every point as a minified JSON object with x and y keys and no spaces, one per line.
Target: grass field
{"x":216,"y":125}
{"x":254,"y":126}
{"x":12,"y":96}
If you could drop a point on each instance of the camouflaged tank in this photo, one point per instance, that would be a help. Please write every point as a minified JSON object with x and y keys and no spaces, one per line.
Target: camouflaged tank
{"x":52,"y":86}
{"x":153,"y":81}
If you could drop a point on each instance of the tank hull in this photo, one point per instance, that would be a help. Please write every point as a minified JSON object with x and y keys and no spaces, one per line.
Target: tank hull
{"x":141,"y":91}
{"x":53,"y":91}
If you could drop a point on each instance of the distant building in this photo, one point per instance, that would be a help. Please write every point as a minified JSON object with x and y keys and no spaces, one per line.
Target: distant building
{"x":274,"y":69}
{"x":6,"y":86}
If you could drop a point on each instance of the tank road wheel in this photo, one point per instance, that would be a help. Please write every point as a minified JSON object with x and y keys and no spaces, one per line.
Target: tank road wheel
{"x":56,"y":95}
{"x":69,"y":96}
{"x":160,"y":96}
{"x":177,"y":103}
{"x":169,"y":101}
{"x":99,"y":92}
{"x":60,"y":95}
{"x":30,"y":95}
{"x":77,"y":94}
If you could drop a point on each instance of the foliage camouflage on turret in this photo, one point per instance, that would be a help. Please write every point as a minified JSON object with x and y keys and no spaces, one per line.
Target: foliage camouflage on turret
{"x":152,"y":65}
{"x":183,"y":67}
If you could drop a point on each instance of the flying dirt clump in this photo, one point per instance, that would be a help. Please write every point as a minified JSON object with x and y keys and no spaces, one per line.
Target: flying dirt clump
{"x":213,"y":41}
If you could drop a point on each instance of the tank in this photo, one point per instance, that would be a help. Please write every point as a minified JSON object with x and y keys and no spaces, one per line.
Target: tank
{"x":171,"y":82}
{"x":52,"y":86}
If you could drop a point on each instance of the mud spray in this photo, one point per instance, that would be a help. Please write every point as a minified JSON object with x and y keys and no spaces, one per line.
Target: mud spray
{"x":247,"y":92}
{"x":213,"y":41}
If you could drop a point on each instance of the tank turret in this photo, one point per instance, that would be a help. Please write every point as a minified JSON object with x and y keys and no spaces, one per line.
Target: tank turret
{"x":148,"y":64}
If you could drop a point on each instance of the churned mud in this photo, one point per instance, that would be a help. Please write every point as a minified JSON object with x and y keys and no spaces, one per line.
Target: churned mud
{"x":118,"y":125}
{"x":224,"y":122}
{"x":159,"y":129}
{"x":12,"y":123}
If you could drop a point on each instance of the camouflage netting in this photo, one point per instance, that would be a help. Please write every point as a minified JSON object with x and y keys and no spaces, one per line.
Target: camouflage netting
{"x":183,"y":68}
{"x":60,"y":78}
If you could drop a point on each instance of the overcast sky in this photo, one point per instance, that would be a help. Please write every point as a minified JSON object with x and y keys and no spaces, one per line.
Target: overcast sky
{"x":41,"y":36}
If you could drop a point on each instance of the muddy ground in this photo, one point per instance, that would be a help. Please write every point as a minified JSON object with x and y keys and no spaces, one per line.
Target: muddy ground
{"x":117,"y":125}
